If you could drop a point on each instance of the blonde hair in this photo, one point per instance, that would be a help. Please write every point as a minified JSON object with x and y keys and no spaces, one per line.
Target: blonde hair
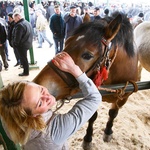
{"x":18,"y":121}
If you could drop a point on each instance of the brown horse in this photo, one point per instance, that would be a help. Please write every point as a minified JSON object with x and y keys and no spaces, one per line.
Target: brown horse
{"x":89,"y":46}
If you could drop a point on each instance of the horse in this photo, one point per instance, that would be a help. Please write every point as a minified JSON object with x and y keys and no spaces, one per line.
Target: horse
{"x":104,"y":50}
{"x":142,"y":46}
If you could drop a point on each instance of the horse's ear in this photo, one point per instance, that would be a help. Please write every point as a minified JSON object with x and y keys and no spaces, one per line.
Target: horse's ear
{"x":86,"y":18}
{"x":113,"y":27}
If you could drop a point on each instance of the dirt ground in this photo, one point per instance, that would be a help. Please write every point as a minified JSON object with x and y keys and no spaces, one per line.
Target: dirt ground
{"x":131,"y":127}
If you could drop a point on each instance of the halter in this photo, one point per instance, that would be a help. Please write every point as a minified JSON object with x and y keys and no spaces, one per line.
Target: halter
{"x":105,"y":57}
{"x":70,"y":79}
{"x":102,"y":64}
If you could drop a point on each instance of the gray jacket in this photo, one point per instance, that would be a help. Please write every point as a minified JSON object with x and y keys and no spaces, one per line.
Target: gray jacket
{"x":61,"y":126}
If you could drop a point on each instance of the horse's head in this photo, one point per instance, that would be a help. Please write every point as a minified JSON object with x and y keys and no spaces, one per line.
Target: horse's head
{"x":88,"y":46}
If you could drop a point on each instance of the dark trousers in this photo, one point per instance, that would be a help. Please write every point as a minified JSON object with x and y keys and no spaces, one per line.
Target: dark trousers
{"x":24,"y":60}
{"x":3,"y":56}
{"x":17,"y":55}
{"x":59,"y":43}
{"x":6,"y":49}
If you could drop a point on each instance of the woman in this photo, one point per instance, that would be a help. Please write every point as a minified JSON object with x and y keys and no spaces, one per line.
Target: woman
{"x":25,"y":110}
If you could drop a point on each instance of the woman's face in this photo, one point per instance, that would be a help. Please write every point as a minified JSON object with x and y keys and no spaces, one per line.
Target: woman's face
{"x":37,"y":98}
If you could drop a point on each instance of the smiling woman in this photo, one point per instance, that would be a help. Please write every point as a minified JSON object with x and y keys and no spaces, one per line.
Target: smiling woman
{"x":37,"y":99}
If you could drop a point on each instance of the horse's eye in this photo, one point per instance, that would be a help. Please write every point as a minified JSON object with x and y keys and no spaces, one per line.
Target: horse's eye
{"x":87,"y":56}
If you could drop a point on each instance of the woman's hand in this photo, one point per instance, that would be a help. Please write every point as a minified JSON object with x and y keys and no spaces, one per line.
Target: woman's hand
{"x":65,"y":63}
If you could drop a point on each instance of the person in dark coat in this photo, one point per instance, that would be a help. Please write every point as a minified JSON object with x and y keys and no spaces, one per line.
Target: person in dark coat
{"x":11,"y":25}
{"x":96,"y":14}
{"x":57,"y":26}
{"x":3,"y":37}
{"x":72,"y":21}
{"x":50,"y":10}
{"x":22,"y":36}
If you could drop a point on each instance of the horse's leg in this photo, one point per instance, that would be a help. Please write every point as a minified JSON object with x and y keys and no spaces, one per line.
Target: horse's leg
{"x":89,"y":132}
{"x":139,"y":71}
{"x":113,"y":112}
{"x":108,"y":130}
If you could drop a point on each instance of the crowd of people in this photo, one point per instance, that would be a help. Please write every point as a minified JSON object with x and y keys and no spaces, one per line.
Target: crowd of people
{"x":61,"y":18}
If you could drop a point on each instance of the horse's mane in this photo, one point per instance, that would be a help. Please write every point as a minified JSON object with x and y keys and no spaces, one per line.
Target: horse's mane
{"x":93,"y":32}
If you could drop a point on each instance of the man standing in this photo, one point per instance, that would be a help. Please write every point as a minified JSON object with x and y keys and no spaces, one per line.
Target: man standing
{"x":11,"y":25}
{"x":3,"y":37}
{"x":57,"y":26}
{"x":22,"y":36}
{"x":72,"y":21}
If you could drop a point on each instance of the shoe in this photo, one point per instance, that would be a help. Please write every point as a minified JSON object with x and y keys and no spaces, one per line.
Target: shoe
{"x":23,"y":74}
{"x":39,"y":47}
{"x":51,"y":45}
{"x":17,"y":64}
{"x":6,"y":68}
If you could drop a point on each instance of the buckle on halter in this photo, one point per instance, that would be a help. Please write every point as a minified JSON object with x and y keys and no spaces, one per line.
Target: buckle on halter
{"x":104,"y":41}
{"x":108,"y":45}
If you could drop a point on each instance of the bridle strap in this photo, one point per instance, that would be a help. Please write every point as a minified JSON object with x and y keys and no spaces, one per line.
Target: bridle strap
{"x":100,"y":60}
{"x":69,"y":79}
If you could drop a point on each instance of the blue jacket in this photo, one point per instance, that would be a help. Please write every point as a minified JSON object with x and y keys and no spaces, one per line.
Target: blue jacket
{"x":57,"y":26}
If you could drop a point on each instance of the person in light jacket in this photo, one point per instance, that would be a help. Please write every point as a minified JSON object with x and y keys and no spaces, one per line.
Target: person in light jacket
{"x":3,"y":38}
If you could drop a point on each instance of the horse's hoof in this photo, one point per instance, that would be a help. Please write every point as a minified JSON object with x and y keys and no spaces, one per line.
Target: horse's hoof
{"x":89,"y":146}
{"x":107,"y":138}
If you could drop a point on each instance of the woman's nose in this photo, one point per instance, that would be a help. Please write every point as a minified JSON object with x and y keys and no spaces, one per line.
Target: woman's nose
{"x":45,"y":97}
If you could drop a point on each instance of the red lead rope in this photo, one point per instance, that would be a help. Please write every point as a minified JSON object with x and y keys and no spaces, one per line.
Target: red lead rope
{"x":101,"y":76}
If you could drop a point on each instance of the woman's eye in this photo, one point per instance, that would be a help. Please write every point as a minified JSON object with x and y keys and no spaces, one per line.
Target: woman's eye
{"x":42,"y":90}
{"x":40,"y":104}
